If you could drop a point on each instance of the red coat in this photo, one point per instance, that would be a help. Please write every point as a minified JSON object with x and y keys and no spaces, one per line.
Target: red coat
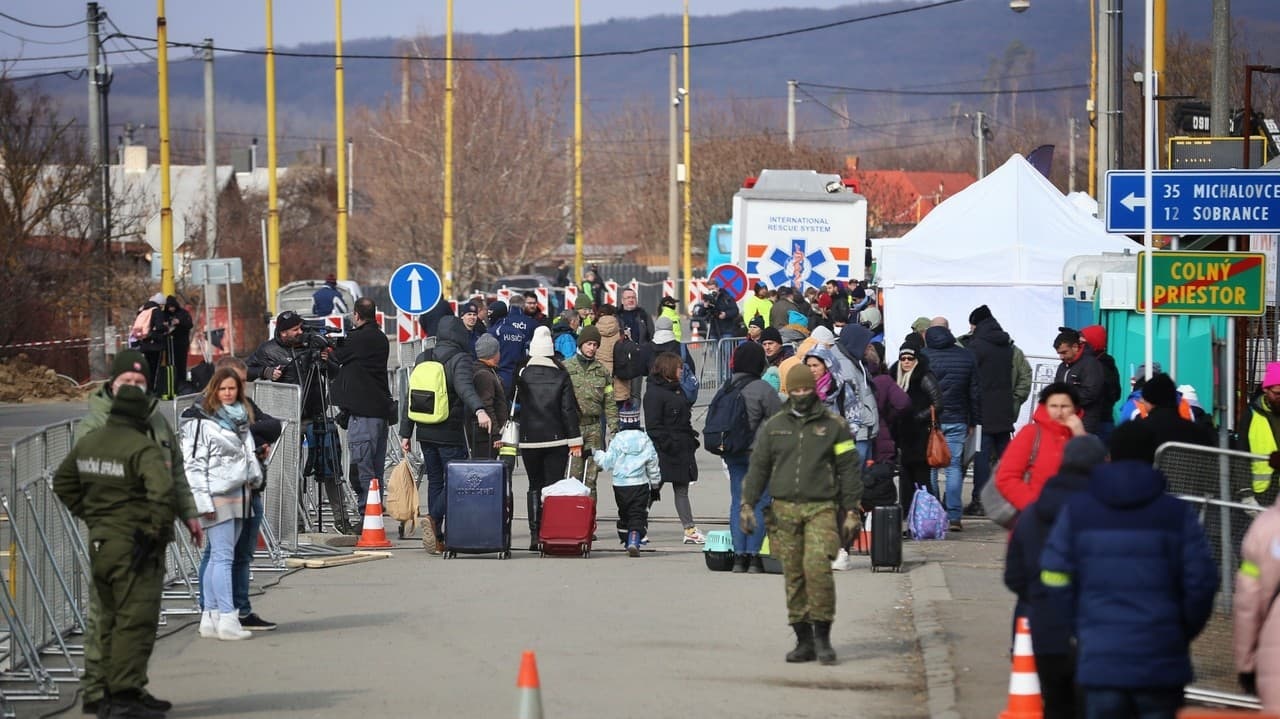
{"x":1016,"y":457}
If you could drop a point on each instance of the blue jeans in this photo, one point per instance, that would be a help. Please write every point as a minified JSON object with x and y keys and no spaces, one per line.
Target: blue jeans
{"x":993,"y":445}
{"x":955,"y":434}
{"x":864,"y":451}
{"x":434,"y":459}
{"x":215,"y":579}
{"x":1136,"y":703}
{"x":744,"y":543}
{"x":246,"y":546}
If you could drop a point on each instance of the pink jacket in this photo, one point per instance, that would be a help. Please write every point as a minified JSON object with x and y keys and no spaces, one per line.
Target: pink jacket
{"x":1257,"y":626}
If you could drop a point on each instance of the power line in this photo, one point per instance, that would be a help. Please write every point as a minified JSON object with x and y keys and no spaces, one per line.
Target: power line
{"x":42,"y":57}
{"x":28,"y":23}
{"x":571,"y":56}
{"x":121,"y":33}
{"x":941,"y":93}
{"x":72,"y":73}
{"x":33,"y":41}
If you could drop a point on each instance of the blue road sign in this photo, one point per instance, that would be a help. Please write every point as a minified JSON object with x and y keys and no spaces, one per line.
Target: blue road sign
{"x":1195,"y":202}
{"x":415,"y":288}
{"x":731,"y":278}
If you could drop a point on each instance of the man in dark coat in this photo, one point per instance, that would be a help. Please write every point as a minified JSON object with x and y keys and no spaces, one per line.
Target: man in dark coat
{"x":723,"y":312}
{"x":1081,"y":369}
{"x":1163,"y":422}
{"x":361,"y":390}
{"x":992,"y":348}
{"x":513,"y":332}
{"x":961,"y":410}
{"x":178,"y":319}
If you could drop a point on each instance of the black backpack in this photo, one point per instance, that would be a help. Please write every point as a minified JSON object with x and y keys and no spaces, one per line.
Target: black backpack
{"x":628,"y":360}
{"x":727,"y":429}
{"x":1111,"y":378}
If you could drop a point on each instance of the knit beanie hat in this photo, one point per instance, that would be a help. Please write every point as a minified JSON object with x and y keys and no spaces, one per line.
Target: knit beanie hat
{"x":662,"y":331}
{"x":920,"y":324}
{"x":799,"y":377}
{"x":757,"y":321}
{"x":129,"y":361}
{"x":1160,"y":391}
{"x":629,"y":416}
{"x":1084,"y":453}
{"x":870,"y":317}
{"x":980,"y":313}
{"x":541,"y":345}
{"x":1272,"y":377}
{"x":590,"y":333}
{"x":287,"y":320}
{"x":486,"y":346}
{"x":823,"y":335}
{"x":771,"y":334}
{"x":467,"y":308}
{"x":497,"y":310}
{"x":1096,"y":336}
{"x":749,"y":358}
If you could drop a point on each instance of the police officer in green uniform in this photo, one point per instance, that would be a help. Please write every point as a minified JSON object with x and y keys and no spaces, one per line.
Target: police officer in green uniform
{"x":806,"y":457}
{"x":117,"y":480}
{"x":130,"y":369}
{"x":593,"y":387}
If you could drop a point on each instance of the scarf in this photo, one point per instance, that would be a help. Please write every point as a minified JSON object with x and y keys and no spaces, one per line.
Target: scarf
{"x":232,"y":416}
{"x":904,"y":378}
{"x":824,"y":386}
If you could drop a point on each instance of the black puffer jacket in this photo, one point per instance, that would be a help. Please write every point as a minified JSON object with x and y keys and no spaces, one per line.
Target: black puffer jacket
{"x":452,"y":351}
{"x":548,"y":408}
{"x":1089,"y":378}
{"x":911,"y":431}
{"x":993,"y":350}
{"x":957,"y":374}
{"x":297,"y":363}
{"x":667,"y":418}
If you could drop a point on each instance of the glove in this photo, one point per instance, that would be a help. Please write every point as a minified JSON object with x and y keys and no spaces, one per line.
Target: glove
{"x":144,"y":549}
{"x":1249,"y":682}
{"x":1274,"y":460}
{"x":586,"y":452}
{"x":655,"y":493}
{"x":747,"y":518}
{"x":850,"y":527}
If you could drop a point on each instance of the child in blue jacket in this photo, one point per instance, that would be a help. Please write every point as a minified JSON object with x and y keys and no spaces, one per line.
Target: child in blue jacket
{"x":633,"y":462}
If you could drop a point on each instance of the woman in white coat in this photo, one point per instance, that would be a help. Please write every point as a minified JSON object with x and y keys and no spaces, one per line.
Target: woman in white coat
{"x":222,"y":470}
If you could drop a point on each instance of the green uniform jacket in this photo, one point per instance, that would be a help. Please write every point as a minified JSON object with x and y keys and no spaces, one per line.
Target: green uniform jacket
{"x":161,"y":433}
{"x":594,"y":389}
{"x":117,"y":481}
{"x":1021,"y":379}
{"x":804,"y":459}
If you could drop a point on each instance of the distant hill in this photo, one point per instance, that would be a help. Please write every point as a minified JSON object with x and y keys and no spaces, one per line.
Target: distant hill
{"x":934,"y":50}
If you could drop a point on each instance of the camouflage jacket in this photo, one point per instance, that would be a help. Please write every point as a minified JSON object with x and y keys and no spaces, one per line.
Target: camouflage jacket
{"x":593,"y":386}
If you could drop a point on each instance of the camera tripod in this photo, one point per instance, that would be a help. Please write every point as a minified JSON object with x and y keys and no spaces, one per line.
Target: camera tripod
{"x":324,"y":456}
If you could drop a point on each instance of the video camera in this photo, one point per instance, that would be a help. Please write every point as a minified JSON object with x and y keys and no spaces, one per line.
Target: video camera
{"x":318,"y":335}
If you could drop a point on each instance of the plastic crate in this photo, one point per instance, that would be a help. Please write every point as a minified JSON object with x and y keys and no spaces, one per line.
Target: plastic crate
{"x":719,"y":540}
{"x":718,"y":561}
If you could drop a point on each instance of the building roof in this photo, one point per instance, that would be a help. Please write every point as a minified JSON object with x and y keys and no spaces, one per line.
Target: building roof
{"x":902,"y":197}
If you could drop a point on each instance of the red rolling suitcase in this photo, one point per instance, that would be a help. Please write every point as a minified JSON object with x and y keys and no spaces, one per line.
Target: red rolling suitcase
{"x":567,"y":525}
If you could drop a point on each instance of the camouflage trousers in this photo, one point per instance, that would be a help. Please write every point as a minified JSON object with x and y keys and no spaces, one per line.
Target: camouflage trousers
{"x":593,"y":437}
{"x":802,"y":535}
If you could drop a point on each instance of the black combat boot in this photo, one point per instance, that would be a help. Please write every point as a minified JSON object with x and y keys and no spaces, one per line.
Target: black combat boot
{"x":127,"y":705}
{"x":756,"y":566}
{"x":740,"y":562}
{"x":822,"y":642}
{"x":804,"y":644}
{"x":533,"y":502}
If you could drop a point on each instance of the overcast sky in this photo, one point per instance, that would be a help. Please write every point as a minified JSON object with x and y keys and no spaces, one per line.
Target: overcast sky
{"x":240,"y":23}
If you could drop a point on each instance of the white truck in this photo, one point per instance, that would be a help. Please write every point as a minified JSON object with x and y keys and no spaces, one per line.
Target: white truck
{"x":799,"y":228}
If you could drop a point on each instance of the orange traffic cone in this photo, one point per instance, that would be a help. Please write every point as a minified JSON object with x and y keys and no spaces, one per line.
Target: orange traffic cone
{"x":374,"y":535}
{"x":864,"y":540}
{"x":694,"y":339}
{"x":529,"y":703}
{"x":1024,"y":683}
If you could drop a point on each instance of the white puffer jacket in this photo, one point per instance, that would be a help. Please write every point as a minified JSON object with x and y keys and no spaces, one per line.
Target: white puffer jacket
{"x":218,"y":461}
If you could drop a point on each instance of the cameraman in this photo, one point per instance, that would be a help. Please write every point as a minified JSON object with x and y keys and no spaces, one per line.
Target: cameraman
{"x":290,"y":357}
{"x":361,"y":391}
{"x":723,"y":312}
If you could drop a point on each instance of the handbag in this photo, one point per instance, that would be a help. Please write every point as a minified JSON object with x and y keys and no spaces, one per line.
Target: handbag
{"x":510,"y":436}
{"x":937,"y":454}
{"x":994,"y":505}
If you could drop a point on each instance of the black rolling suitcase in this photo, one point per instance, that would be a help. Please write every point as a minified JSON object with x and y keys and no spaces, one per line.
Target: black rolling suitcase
{"x":886,"y":538}
{"x":478,"y":513}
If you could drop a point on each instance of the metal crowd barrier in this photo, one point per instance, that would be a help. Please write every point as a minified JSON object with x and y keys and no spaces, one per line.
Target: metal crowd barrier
{"x":1217,"y":481}
{"x":284,"y":474}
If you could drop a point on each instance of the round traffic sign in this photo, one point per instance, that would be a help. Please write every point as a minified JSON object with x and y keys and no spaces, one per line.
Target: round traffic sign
{"x":415,"y":288}
{"x":732,"y":279}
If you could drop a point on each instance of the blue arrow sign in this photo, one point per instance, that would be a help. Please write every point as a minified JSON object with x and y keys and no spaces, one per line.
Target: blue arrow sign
{"x":414,"y":288}
{"x":1195,"y":202}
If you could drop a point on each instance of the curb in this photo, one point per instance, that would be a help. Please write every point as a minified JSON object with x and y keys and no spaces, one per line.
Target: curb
{"x":929,"y":585}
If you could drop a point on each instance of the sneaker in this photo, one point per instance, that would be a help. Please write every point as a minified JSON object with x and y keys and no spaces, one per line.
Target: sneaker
{"x":255,"y":623}
{"x":633,"y":544}
{"x":644,"y":541}
{"x":843,"y":562}
{"x":693,"y":536}
{"x":956,"y":526}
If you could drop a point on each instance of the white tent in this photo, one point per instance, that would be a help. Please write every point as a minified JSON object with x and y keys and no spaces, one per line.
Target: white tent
{"x":1001,"y":242}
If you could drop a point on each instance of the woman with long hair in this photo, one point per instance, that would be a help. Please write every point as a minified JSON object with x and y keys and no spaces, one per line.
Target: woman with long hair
{"x":911,"y":430}
{"x":667,"y":417}
{"x":222,"y":469}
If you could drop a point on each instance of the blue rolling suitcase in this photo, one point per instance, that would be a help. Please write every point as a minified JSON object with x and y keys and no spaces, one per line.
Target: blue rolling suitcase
{"x":478,"y":514}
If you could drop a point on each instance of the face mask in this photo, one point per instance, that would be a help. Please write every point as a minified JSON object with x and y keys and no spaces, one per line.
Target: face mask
{"x":804,"y":403}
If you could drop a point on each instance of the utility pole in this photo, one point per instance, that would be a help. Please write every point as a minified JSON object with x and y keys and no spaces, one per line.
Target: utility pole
{"x":167,"y":284}
{"x":1220,"y":94}
{"x":1071,"y":155}
{"x":101,"y":241}
{"x":340,"y":114}
{"x":791,"y":114}
{"x":273,"y":198}
{"x":673,"y":178}
{"x":211,"y":194}
{"x":688,"y":161}
{"x":980,"y":132}
{"x":404,"y":91}
{"x":579,"y":239}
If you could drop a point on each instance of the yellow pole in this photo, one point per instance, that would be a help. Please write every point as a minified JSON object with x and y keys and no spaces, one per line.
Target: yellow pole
{"x":688,"y":153}
{"x":273,"y":204}
{"x":447,"y":233}
{"x":340,"y":146}
{"x":1157,"y":62}
{"x":577,"y":140}
{"x":166,"y":211}
{"x":1093,"y":99}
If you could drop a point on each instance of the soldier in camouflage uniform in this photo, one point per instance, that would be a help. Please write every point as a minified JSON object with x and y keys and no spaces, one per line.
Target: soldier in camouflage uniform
{"x":130,"y":368}
{"x":806,"y":457}
{"x":593,"y":386}
{"x":118,"y":481}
